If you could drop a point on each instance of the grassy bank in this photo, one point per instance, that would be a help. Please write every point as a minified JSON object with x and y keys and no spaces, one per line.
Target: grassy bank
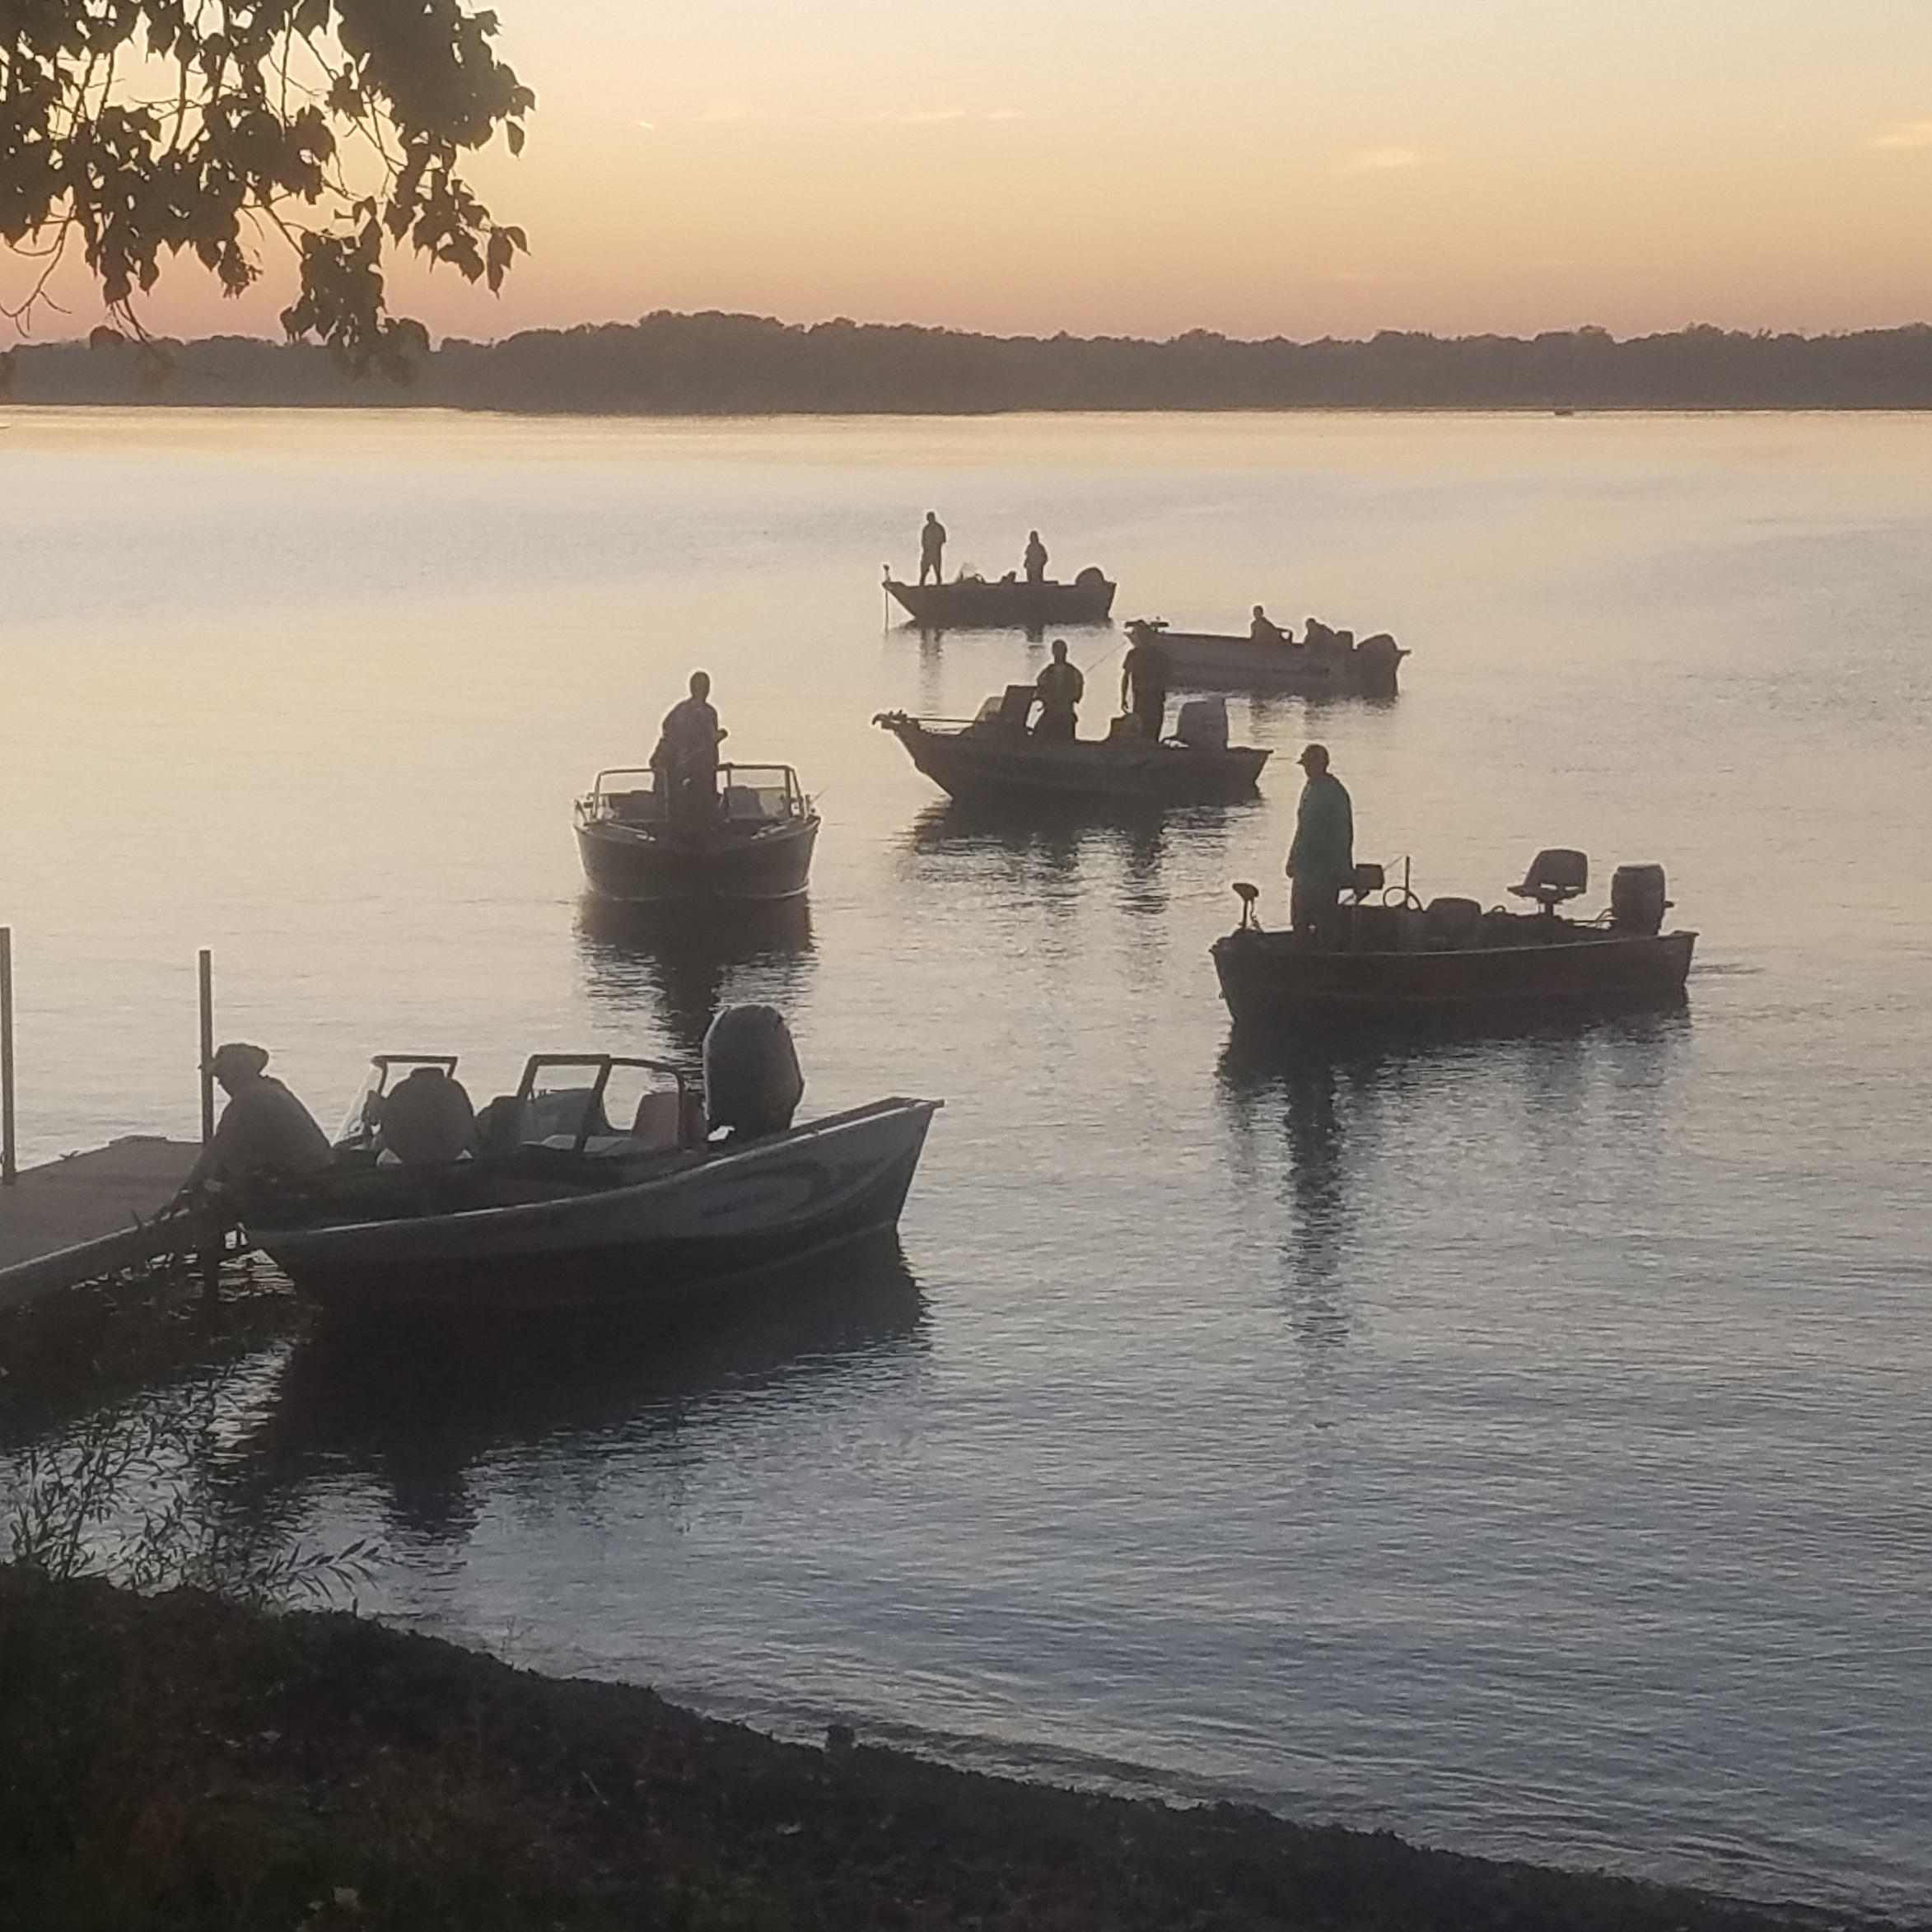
{"x":177,"y":1762}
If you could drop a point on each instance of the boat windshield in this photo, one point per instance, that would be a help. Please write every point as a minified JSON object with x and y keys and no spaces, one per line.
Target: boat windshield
{"x":749,"y":794}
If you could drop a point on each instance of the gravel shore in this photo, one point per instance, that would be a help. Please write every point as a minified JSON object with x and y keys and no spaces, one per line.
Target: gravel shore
{"x":177,"y":1761}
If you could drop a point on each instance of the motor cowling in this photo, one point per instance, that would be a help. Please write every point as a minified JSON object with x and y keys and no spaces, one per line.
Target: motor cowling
{"x":1637,"y":899}
{"x":752,"y":1080}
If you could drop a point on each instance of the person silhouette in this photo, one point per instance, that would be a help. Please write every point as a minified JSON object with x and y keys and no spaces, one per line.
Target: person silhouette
{"x":686,"y":759}
{"x":932,"y":542}
{"x":1059,"y":687}
{"x":1036,"y":558}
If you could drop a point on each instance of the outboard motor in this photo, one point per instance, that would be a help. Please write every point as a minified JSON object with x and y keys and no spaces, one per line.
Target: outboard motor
{"x":1637,"y":900}
{"x":1203,"y":723}
{"x":751,"y":1082}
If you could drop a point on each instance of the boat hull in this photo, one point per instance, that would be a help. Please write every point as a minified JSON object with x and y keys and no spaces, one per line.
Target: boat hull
{"x":995,"y":768}
{"x":1200,"y":660}
{"x":1275,"y":979}
{"x":641,"y":865}
{"x":973,"y":603}
{"x":687,"y":1231}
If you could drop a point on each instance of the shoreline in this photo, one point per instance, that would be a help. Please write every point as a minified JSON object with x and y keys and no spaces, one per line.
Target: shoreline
{"x":181,"y":1761}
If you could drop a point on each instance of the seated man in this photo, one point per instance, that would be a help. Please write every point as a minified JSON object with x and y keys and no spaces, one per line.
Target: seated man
{"x":263,"y":1129}
{"x":1261,"y":631}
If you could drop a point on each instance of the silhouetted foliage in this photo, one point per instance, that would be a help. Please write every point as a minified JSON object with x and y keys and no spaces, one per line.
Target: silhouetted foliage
{"x":746,"y":365}
{"x":152,"y":128}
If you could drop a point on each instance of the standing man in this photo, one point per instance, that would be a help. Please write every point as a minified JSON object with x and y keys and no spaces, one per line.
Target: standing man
{"x":687,"y":755}
{"x":1060,"y":688}
{"x":1036,"y":558}
{"x":1321,"y":861}
{"x":1143,"y":685}
{"x":932,"y":541}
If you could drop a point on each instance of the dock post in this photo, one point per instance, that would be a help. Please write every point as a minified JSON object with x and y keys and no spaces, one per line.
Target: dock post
{"x":208,"y":1046}
{"x":211,"y":1253}
{"x":9,"y":1163}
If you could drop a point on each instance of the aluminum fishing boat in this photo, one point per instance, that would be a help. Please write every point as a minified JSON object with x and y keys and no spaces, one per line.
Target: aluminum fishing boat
{"x":994,"y":760}
{"x":1384,"y":954}
{"x":984,"y":604}
{"x":1331,"y":665}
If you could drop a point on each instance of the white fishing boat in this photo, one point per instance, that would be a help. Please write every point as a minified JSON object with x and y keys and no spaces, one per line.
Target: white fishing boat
{"x":556,"y":1208}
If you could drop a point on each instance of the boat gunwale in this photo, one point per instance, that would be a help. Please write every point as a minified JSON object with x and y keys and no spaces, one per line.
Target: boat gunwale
{"x":675,"y":1168}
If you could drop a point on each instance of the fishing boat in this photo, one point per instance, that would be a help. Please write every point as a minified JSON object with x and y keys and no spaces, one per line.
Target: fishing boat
{"x":753,"y":842}
{"x":984,"y":604}
{"x":556,"y":1208}
{"x":994,"y":759}
{"x":1329,"y":664}
{"x":1384,"y":954}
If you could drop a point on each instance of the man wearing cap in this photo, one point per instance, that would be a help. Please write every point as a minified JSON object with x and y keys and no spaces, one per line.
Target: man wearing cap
{"x":1321,"y":861}
{"x":263,"y":1129}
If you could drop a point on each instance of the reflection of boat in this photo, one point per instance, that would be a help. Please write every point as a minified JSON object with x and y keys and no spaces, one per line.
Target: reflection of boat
{"x":754,"y":843}
{"x":679,"y":959}
{"x":1380,"y":959}
{"x":995,"y":759}
{"x":442,"y":1385}
{"x":970,"y":602}
{"x":1332,"y":665}
{"x":557,"y":1210}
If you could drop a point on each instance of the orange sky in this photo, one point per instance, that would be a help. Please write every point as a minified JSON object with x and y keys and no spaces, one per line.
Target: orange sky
{"x":1300,"y":167}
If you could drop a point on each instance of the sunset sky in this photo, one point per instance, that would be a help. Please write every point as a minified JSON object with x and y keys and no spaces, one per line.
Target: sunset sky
{"x":1297,"y":167}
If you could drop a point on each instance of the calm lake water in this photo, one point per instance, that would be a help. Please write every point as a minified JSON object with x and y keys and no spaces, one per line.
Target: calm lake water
{"x":1524,"y":1444}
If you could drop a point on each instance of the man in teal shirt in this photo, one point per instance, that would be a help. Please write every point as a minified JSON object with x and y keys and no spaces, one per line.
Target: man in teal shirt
{"x":1321,"y":861}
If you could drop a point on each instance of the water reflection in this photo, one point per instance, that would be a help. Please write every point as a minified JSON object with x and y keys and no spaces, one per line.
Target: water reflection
{"x":683,"y":962}
{"x":1316,"y":1106}
{"x":1047,"y":849}
{"x":420,"y":1409}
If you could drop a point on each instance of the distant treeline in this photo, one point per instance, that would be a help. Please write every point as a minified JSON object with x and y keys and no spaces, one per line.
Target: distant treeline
{"x":746,"y":365}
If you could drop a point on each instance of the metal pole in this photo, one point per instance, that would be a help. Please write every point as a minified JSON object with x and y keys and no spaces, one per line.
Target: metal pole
{"x":208,"y":1046}
{"x":8,"y":1165}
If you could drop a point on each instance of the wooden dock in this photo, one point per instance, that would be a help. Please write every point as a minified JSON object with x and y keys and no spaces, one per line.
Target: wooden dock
{"x":87,"y":1215}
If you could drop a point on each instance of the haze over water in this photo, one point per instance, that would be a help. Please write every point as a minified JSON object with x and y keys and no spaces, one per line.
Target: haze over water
{"x":1524,"y":1444}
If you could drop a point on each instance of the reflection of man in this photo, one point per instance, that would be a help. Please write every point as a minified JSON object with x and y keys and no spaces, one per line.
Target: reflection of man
{"x":1060,"y":688}
{"x":1321,"y":861}
{"x":932,"y":542}
{"x":1036,"y":558}
{"x":687,"y":755}
{"x":1143,"y":685}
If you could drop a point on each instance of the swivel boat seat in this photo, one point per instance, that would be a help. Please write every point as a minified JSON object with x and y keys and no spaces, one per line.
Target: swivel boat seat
{"x":1554,"y":877}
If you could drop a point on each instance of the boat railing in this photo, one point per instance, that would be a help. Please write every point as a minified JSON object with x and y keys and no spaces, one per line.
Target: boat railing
{"x":747,"y":794}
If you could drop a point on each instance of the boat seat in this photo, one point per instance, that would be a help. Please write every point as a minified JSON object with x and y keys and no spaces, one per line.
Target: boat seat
{"x":1554,"y":876}
{"x":658,"y":1126}
{"x":563,"y":1110}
